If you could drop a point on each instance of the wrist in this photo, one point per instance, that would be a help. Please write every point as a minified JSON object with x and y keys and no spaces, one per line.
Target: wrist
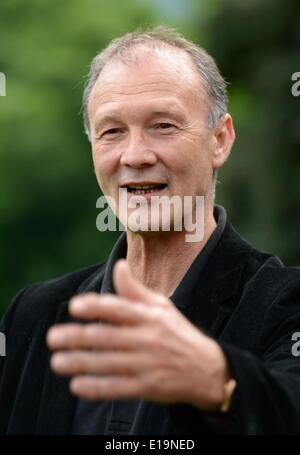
{"x":229,"y":389}
{"x":222,"y":384}
{"x":223,"y":378}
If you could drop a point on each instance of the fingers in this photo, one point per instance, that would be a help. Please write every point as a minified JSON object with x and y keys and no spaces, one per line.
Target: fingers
{"x":99,"y":363}
{"x":108,"y":388}
{"x":110,"y":360}
{"x":107,"y":307}
{"x":91,"y":336}
{"x":132,"y":289}
{"x":126,"y":285}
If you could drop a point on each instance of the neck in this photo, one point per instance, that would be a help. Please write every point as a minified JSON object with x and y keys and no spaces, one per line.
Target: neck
{"x":160,"y":260}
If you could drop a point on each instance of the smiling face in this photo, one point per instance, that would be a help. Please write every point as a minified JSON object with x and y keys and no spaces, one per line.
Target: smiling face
{"x":148,"y":119}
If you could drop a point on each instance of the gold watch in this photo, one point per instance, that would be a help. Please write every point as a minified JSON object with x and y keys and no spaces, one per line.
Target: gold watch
{"x":229,"y":388}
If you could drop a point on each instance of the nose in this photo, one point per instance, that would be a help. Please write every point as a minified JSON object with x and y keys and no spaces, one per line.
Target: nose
{"x":137,"y":152}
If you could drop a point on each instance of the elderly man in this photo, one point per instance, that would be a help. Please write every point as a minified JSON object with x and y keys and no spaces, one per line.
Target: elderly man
{"x":168,"y":336}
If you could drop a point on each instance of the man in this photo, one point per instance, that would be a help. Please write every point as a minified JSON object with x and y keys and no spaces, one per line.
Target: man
{"x":167,"y":336}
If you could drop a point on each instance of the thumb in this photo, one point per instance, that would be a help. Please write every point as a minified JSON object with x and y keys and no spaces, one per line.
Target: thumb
{"x":129,"y":287}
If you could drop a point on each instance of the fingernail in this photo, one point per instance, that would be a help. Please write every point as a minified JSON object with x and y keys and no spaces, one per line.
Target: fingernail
{"x":58,"y":361}
{"x":78,"y":305}
{"x":56,"y":336}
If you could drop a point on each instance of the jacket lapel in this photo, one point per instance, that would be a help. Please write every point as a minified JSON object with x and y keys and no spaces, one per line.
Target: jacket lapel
{"x":212,"y":306}
{"x":217,"y":291}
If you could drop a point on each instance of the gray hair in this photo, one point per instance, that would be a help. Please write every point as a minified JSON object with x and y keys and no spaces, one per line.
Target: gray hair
{"x":162,"y":36}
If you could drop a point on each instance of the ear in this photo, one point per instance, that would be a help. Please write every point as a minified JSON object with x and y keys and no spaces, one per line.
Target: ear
{"x":224,"y":139}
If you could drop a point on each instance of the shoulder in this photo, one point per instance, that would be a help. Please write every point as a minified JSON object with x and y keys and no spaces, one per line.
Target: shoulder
{"x":63,"y":287}
{"x":256,"y":278}
{"x":269,"y":274}
{"x":257,"y":266}
{"x":41,"y":301}
{"x":264,"y":294}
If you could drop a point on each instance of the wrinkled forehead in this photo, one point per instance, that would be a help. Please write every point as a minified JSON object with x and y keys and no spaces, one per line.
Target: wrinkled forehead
{"x":153,"y":67}
{"x":158,"y":54}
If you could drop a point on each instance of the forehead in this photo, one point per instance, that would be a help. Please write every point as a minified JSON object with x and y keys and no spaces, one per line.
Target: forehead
{"x":147,"y":74}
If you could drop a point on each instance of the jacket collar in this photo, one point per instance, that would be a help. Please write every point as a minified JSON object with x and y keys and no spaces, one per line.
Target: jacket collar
{"x":219,"y":285}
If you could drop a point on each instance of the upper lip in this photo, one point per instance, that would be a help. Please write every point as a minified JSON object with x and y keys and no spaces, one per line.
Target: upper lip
{"x":142,"y":183}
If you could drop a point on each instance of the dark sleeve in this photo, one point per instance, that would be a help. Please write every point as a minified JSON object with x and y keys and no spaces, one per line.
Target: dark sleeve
{"x":6,"y":322}
{"x":267,"y":397}
{"x":11,"y":364}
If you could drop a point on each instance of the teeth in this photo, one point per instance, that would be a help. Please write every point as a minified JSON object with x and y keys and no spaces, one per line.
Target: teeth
{"x":142,"y":187}
{"x":141,"y":191}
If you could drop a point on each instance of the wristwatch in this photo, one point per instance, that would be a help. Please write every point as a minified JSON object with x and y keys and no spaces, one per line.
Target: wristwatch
{"x":229,"y":389}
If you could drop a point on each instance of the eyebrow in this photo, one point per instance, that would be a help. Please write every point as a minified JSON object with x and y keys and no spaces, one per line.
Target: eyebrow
{"x":106,"y":118}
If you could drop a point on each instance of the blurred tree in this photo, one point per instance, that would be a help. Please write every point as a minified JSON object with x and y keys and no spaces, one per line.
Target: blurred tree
{"x":48,"y":189}
{"x":256,"y":45}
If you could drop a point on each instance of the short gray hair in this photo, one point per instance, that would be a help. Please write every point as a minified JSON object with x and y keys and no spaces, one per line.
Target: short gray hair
{"x":162,"y":36}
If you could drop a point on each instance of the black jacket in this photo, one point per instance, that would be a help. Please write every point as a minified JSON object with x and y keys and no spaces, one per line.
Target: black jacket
{"x":244,"y":298}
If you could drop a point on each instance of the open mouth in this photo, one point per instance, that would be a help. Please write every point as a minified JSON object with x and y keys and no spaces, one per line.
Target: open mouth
{"x":144,"y":189}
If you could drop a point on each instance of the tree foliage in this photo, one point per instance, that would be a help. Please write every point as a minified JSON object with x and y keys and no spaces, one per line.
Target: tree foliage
{"x":48,"y":188}
{"x":256,"y":45}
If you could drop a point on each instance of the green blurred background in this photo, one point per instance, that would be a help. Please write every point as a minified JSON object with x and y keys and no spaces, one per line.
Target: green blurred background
{"x":47,"y":186}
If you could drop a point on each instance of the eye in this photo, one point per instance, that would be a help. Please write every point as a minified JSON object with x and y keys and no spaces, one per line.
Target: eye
{"x":112,"y":132}
{"x":165,"y":128}
{"x":164,"y":125}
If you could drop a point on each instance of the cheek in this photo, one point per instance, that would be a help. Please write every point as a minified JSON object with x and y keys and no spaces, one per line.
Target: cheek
{"x":191,"y":164}
{"x":101,"y":171}
{"x":104,"y":163}
{"x":186,"y":155}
